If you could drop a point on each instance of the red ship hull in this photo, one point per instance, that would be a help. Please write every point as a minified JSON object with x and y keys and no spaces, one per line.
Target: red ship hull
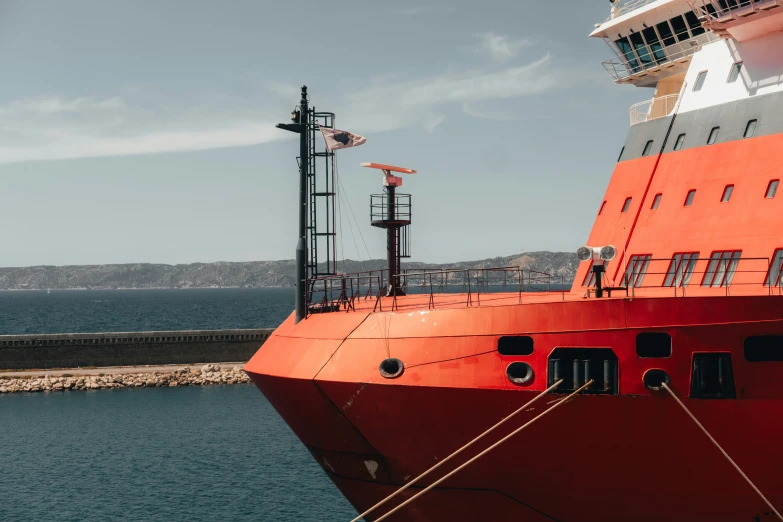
{"x":631,"y":456}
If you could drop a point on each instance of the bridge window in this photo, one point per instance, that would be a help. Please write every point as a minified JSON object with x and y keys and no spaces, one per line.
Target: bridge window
{"x":515,"y":345}
{"x":655,"y":45}
{"x":637,"y":268}
{"x":721,"y":268}
{"x":694,"y":24}
{"x":621,"y":154}
{"x":775,"y":268}
{"x":647,"y":148}
{"x":678,"y":24}
{"x":626,"y":205}
{"x":700,"y":81}
{"x":625,"y":47}
{"x":772,"y":188}
{"x":653,"y":345}
{"x":750,"y":129}
{"x":681,"y":269}
{"x":602,"y":208}
{"x":641,"y":49}
{"x":689,"y":197}
{"x":656,"y":201}
{"x":764,"y":348}
{"x":727,"y":193}
{"x":735,"y":72}
{"x":713,"y":136}
{"x":679,"y":142}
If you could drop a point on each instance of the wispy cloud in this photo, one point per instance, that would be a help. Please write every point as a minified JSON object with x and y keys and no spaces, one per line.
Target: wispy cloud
{"x":499,"y":47}
{"x":424,"y":102}
{"x":56,"y":127}
{"x":53,"y":127}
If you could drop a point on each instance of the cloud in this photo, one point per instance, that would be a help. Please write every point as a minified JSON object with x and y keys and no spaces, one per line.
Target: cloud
{"x":423,"y":102}
{"x":49,"y":128}
{"x":500,"y":48}
{"x":56,"y":127}
{"x":471,"y":110}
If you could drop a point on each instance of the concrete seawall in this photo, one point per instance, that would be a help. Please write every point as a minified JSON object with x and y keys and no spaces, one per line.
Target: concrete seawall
{"x":21,"y":352}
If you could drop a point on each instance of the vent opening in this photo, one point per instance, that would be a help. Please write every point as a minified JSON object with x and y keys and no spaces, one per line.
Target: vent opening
{"x":651,"y":345}
{"x":576,"y":366}
{"x":515,"y":345}
{"x":712,"y":377}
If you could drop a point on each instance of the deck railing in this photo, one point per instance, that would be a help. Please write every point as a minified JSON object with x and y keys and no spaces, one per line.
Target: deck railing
{"x":343,"y":292}
{"x":654,"y":108}
{"x":708,"y":275}
{"x":713,"y":13}
{"x":622,"y":8}
{"x":646,"y":60}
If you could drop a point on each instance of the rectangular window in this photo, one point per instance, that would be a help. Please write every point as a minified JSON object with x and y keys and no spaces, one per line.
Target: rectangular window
{"x":647,"y":148}
{"x":637,"y":267}
{"x":602,"y":208}
{"x":693,"y":23}
{"x":680,"y":31}
{"x":626,"y":205}
{"x":666,"y":34}
{"x":641,"y":49}
{"x":775,"y":268}
{"x":713,"y":136}
{"x":655,"y":45}
{"x":700,"y":81}
{"x":735,"y":72}
{"x":750,"y":129}
{"x":772,"y":188}
{"x":727,"y":193}
{"x":689,"y":198}
{"x":721,"y":268}
{"x":764,"y":348}
{"x":681,"y":269}
{"x":679,"y":142}
{"x":625,"y":47}
{"x":656,"y":202}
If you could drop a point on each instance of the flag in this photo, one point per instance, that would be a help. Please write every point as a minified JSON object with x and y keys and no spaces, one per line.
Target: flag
{"x":337,"y":139}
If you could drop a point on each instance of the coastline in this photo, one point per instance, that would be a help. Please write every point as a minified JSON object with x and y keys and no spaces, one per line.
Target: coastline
{"x":80,"y":379}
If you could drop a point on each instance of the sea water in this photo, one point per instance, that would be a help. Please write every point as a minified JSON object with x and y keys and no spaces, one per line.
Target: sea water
{"x":154,"y":454}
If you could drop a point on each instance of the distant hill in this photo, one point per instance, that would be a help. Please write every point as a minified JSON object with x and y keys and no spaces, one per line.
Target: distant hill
{"x":252,"y":274}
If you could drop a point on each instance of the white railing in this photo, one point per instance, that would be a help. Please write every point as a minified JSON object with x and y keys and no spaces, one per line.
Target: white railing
{"x":720,"y":11}
{"x":627,"y":6}
{"x":654,"y":108}
{"x":649,"y":61}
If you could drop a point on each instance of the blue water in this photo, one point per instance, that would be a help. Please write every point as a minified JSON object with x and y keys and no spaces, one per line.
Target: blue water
{"x":69,"y":311}
{"x":169,"y":454}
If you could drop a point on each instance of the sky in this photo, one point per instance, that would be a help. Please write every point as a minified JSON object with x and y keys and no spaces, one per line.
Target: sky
{"x":145,"y":131}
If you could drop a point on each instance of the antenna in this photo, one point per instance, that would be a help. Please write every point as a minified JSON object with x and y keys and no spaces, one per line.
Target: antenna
{"x":392,"y":211}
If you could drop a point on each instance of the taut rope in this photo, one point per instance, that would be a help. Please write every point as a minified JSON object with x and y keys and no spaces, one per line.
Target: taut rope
{"x":495,"y":445}
{"x":775,"y":511}
{"x":466,"y":446}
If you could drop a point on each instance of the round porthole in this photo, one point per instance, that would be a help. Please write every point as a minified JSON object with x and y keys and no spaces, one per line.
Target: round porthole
{"x":654,"y":379}
{"x":519,"y":373}
{"x":391,"y":368}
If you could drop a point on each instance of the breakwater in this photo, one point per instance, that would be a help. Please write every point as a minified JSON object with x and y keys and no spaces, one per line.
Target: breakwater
{"x":208,"y":374}
{"x":45,"y":351}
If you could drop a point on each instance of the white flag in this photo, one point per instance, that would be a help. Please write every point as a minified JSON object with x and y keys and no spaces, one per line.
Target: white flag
{"x":337,"y":139}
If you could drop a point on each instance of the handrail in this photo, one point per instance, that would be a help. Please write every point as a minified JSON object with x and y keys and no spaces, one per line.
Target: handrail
{"x":713,"y":12}
{"x":653,"y":108}
{"x":652,"y":60}
{"x":620,"y":9}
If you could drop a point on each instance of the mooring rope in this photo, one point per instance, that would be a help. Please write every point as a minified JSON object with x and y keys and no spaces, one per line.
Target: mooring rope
{"x":699,"y":424}
{"x":466,"y":446}
{"x":495,"y":445}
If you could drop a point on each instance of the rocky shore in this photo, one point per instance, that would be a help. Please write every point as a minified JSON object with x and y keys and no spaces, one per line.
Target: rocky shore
{"x":207,"y":375}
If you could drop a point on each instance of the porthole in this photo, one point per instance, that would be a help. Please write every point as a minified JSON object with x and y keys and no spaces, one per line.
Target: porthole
{"x":519,"y":373}
{"x":391,"y":368}
{"x":655,"y":379}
